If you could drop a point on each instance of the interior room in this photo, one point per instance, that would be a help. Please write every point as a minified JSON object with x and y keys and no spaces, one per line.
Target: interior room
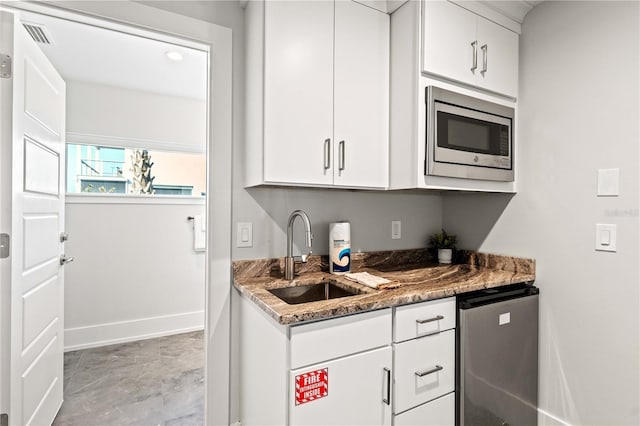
{"x":346,"y":144}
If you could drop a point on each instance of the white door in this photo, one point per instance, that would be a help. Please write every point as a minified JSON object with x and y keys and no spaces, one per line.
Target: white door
{"x":298,"y":92}
{"x":356,"y":390}
{"x":361,"y":103}
{"x":500,"y":56}
{"x":447,"y":37}
{"x":37,"y":219}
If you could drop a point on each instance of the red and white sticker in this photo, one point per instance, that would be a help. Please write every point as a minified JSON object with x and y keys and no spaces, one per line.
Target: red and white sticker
{"x":312,"y":385}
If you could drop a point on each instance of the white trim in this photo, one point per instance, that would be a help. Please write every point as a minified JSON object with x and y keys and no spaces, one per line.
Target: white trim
{"x":146,"y":21}
{"x":128,"y":331}
{"x":120,"y":142}
{"x":547,"y":419}
{"x":104,"y":16}
{"x":86,"y":198}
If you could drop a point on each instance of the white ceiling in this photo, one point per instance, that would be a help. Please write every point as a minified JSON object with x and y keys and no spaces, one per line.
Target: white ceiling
{"x":82,"y":52}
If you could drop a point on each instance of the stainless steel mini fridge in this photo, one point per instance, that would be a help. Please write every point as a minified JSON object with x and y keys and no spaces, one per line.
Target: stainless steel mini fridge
{"x":497,"y":357}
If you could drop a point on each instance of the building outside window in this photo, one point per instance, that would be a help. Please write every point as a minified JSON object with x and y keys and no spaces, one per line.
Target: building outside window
{"x":98,"y":169}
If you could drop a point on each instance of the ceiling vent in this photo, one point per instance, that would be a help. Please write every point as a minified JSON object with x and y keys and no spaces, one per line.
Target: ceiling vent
{"x":37,"y":33}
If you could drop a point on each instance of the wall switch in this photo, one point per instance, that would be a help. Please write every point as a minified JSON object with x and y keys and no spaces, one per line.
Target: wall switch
{"x":396,"y":229}
{"x":608,"y":182}
{"x":605,"y":237}
{"x":244,"y":237}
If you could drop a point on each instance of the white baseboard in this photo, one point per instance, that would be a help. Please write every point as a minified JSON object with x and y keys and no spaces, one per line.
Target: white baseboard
{"x":127,"y":331}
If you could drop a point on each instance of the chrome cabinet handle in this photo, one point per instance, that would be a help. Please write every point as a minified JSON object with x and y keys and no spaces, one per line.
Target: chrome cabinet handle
{"x":341,"y":158}
{"x":474,"y":59}
{"x":387,"y":397}
{"x":327,"y":153}
{"x":424,"y":321}
{"x":484,"y":59}
{"x":430,"y":371}
{"x":64,"y":259}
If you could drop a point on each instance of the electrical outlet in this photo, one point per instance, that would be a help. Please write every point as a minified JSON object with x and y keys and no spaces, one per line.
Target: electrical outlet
{"x":396,"y":229}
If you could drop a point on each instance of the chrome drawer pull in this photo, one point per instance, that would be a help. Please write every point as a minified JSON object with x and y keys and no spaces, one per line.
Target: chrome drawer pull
{"x":474,"y":57}
{"x":484,"y":59}
{"x":424,"y":321}
{"x":387,"y":398}
{"x":327,"y":154}
{"x":427,"y":372}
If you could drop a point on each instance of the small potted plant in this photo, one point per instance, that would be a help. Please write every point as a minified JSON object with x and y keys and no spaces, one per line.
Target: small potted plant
{"x":445,"y":244}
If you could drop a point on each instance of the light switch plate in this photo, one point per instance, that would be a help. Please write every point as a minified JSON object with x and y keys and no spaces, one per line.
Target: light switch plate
{"x":244,"y":236}
{"x":396,"y":229}
{"x":605,"y":237}
{"x":608,"y":182}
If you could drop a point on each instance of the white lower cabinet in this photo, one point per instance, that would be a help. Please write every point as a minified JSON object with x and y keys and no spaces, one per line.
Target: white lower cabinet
{"x":349,"y":370}
{"x":439,"y":412}
{"x":424,"y":366}
{"x":353,"y":390}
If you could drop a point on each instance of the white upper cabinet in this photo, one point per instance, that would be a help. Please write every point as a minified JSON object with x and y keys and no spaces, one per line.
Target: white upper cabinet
{"x":448,"y":32}
{"x":499,"y":52}
{"x":317,"y":94}
{"x":459,"y":45}
{"x":361,"y":102}
{"x":298,"y":91}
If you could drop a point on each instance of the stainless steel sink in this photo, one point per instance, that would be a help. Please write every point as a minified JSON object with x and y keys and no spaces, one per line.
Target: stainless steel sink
{"x":311,"y":293}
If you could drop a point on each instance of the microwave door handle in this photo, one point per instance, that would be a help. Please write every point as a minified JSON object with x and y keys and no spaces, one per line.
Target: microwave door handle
{"x":474,"y":56}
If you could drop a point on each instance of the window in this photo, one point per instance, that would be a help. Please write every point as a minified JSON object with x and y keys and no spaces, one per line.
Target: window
{"x":98,"y":169}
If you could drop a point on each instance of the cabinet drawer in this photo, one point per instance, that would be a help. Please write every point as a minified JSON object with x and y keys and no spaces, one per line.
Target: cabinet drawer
{"x":325,"y":340}
{"x":440,"y":412}
{"x":424,"y":318}
{"x":424,"y":369}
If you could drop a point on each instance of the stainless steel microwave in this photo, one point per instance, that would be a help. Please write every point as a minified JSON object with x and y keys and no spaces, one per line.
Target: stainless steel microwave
{"x":468,"y":137}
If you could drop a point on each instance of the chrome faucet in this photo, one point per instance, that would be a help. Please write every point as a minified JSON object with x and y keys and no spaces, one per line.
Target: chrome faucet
{"x":290,"y":261}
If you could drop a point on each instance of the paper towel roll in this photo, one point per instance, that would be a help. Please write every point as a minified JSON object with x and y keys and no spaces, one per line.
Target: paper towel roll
{"x":340,"y":247}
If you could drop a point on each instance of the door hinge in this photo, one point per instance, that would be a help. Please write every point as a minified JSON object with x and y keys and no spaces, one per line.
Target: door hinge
{"x":4,"y":419}
{"x":5,"y":66}
{"x":5,"y":243}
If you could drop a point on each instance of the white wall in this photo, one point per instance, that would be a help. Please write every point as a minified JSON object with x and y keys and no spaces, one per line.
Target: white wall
{"x":116,"y":114}
{"x":370,"y":214}
{"x":578,"y":109}
{"x":135,"y":273}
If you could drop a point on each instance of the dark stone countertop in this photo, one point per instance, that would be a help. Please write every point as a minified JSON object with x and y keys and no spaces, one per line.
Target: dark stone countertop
{"x":419,"y":279}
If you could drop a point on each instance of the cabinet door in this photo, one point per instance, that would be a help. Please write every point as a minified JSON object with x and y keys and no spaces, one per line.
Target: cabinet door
{"x":448,"y":32}
{"x":500,"y":56}
{"x":298,"y":91}
{"x":356,"y":387}
{"x":361,"y":112}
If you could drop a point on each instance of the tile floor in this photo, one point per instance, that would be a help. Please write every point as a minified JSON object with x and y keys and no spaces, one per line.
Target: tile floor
{"x":148,"y":382}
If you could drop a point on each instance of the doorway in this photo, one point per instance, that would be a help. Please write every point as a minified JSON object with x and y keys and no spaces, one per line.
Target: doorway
{"x":136,"y":196}
{"x":218,"y":256}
